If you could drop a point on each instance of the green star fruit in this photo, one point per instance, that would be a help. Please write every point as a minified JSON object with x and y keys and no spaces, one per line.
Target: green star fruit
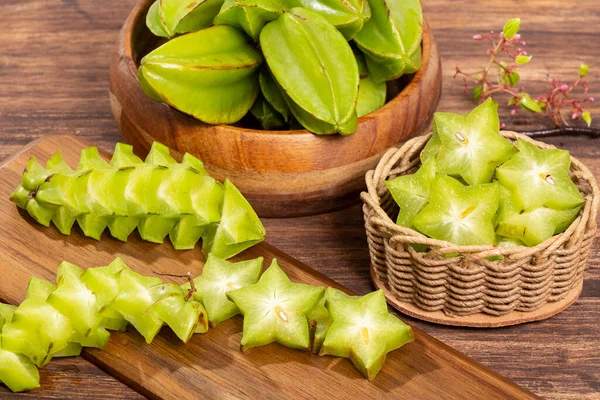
{"x":210,"y":74}
{"x":304,"y":53}
{"x":411,"y":192}
{"x":18,"y":372}
{"x":272,"y":93}
{"x":371,"y":94}
{"x":219,"y":277}
{"x":540,"y":177}
{"x":167,"y":18}
{"x":319,"y":319}
{"x":463,"y":215}
{"x":391,"y":38}
{"x":348,"y":16}
{"x":250,"y":15}
{"x":266,"y":115}
{"x":158,"y":197}
{"x":471,"y":144}
{"x":363,"y":330}
{"x":275,"y":310}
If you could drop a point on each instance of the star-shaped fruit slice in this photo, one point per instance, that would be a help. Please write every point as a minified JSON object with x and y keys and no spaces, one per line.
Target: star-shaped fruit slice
{"x":471,"y":144}
{"x":540,"y":177}
{"x":411,"y":192}
{"x":218,"y":277}
{"x":364,"y":331}
{"x":275,"y":310}
{"x":319,"y":319}
{"x":529,"y":227}
{"x":463,"y":215}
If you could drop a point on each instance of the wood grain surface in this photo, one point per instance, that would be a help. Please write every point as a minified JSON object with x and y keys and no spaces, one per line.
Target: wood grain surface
{"x":211,"y":365}
{"x":54,"y":57}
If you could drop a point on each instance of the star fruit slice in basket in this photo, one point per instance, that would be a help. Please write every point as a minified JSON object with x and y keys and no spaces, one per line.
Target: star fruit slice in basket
{"x":540,"y":177}
{"x":275,"y":310}
{"x":219,"y":277}
{"x":530,"y":227}
{"x":411,"y":192}
{"x":363,"y":330}
{"x":463,"y":215}
{"x":471,"y":145}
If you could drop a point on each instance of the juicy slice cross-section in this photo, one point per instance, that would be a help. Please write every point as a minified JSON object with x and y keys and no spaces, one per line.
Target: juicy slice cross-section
{"x":463,"y":215}
{"x":471,"y":144}
{"x":219,"y":277}
{"x":540,"y":177}
{"x":363,"y":330}
{"x":275,"y":310}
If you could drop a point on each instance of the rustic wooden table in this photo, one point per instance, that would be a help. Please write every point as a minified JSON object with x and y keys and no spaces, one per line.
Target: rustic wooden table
{"x":54,"y":58}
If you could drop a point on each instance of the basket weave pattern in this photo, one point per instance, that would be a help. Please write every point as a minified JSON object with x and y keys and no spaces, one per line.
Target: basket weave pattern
{"x":523,"y":280}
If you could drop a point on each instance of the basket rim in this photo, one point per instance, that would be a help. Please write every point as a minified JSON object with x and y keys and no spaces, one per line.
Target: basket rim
{"x":397,"y":161}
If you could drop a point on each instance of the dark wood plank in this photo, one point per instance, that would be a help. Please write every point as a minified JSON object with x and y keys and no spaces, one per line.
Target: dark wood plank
{"x":54,"y":79}
{"x":212,"y":364}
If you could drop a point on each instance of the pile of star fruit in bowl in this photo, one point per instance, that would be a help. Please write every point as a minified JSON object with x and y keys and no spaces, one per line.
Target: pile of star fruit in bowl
{"x":280,"y":64}
{"x":160,"y":197}
{"x":474,"y":187}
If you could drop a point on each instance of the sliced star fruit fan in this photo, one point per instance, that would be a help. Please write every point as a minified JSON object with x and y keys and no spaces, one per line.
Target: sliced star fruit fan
{"x":158,"y":196}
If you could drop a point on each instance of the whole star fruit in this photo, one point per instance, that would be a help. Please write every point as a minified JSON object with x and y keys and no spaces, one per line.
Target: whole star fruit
{"x":266,"y":115}
{"x":250,"y":15}
{"x":158,"y":197}
{"x":391,"y":38}
{"x":411,"y":192}
{"x":463,"y":215}
{"x":272,"y":93}
{"x":371,"y":94}
{"x":363,"y":330}
{"x":210,"y":74}
{"x":471,"y":144}
{"x":319,"y":320}
{"x":348,"y":16}
{"x":219,"y":277}
{"x":168,"y":18}
{"x":540,"y":177}
{"x":304,"y":53}
{"x":275,"y":310}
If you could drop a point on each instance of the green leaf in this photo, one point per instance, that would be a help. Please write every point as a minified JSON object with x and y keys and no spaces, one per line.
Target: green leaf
{"x":209,"y":74}
{"x":583,"y":70}
{"x":315,"y":67}
{"x":511,"y":27}
{"x":391,"y":38}
{"x":476,"y":94}
{"x":521,"y":60}
{"x":512,"y":79}
{"x":587,"y":117}
{"x":529,"y":104}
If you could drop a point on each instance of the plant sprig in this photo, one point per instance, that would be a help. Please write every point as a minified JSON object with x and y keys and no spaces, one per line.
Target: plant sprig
{"x":500,"y":75}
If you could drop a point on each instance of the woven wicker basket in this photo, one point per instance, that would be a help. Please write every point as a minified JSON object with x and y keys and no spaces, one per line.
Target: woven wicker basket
{"x":525,"y":279}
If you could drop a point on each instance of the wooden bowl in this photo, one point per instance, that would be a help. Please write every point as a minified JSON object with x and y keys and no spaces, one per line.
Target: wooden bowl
{"x":281,"y":173}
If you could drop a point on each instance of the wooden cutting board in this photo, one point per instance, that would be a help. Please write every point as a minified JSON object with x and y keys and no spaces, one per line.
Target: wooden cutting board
{"x":211,"y":365}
